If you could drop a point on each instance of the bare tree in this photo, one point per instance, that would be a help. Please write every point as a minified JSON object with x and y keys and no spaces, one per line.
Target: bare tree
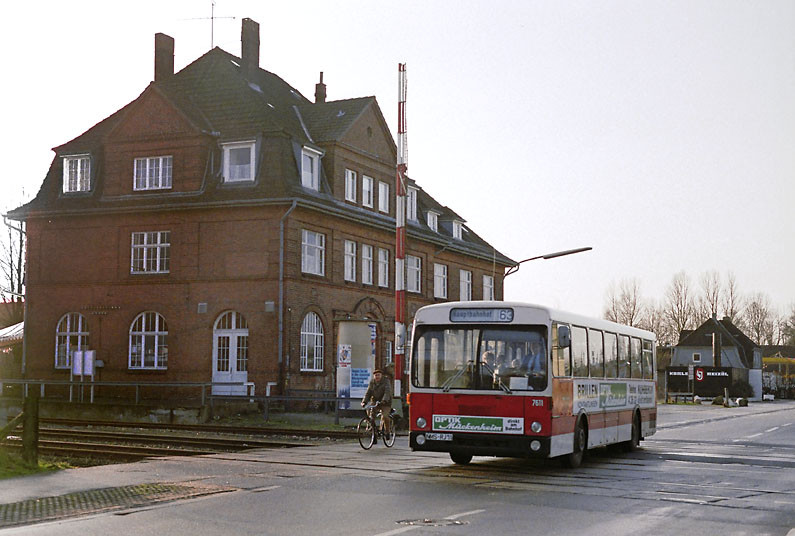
{"x":731,"y":299}
{"x":12,"y":273}
{"x":759,"y":318}
{"x":654,"y":320}
{"x":679,"y":305}
{"x":624,"y":304}
{"x":709,"y":300}
{"x":788,"y":331}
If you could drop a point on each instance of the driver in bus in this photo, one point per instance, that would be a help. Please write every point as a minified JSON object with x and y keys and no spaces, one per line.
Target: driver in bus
{"x":534,"y":360}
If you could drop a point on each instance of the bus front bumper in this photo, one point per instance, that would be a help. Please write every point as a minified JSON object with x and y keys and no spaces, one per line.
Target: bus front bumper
{"x":515,"y":446}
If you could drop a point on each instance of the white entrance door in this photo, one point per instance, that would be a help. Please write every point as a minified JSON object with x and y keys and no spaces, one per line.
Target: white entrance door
{"x":230,"y":354}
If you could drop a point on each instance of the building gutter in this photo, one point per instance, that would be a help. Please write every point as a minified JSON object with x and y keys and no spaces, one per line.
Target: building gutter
{"x":284,"y":368}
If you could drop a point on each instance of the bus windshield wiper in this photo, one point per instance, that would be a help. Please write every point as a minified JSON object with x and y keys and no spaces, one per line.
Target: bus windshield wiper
{"x":499,"y":381}
{"x":451,"y":380}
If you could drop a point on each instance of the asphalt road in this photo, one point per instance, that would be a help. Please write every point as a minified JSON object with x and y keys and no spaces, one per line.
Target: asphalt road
{"x":708,"y":471}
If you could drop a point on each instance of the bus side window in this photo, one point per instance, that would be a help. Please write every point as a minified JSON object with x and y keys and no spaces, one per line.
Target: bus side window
{"x":611,"y":355}
{"x":561,"y":357}
{"x":596,"y":354}
{"x":623,"y":356}
{"x":635,"y":358}
{"x":647,"y":361}
{"x":579,"y":352}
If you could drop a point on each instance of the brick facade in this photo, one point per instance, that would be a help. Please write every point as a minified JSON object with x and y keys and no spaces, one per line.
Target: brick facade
{"x":232,"y":247}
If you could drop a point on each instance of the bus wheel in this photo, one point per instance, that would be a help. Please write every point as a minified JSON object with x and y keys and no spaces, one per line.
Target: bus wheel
{"x":634,"y":443}
{"x":461,"y":458}
{"x":574,"y":459}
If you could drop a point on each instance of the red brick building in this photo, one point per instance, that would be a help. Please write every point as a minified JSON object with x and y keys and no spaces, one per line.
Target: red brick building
{"x":222,"y":227}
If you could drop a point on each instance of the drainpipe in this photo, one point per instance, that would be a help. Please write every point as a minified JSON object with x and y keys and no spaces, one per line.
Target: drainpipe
{"x":283,"y":369}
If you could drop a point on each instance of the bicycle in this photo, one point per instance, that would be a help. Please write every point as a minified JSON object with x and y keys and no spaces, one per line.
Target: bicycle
{"x":368,"y":432}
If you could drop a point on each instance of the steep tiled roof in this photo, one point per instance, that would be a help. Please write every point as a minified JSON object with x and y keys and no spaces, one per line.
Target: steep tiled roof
{"x":221,"y":100}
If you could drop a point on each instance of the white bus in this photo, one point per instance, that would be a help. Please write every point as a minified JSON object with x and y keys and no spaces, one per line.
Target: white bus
{"x":513,"y":379}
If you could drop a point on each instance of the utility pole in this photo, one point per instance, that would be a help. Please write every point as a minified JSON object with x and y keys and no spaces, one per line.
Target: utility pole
{"x":400,"y":234}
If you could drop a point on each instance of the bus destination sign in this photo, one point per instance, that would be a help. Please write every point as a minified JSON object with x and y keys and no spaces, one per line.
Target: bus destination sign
{"x":482,"y":314}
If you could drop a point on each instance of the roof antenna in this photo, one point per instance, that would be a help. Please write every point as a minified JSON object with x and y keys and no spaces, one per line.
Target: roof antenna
{"x":212,"y":18}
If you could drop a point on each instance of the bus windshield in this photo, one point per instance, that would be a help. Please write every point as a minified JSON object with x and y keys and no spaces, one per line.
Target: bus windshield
{"x":478,"y":357}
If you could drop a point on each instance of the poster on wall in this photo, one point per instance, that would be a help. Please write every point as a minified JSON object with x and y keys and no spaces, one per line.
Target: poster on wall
{"x":360,"y":379}
{"x":344,"y":374}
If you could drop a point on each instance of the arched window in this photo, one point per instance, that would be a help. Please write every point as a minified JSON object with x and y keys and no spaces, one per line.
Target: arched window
{"x":70,"y":335}
{"x":148,"y":342}
{"x":312,"y":343}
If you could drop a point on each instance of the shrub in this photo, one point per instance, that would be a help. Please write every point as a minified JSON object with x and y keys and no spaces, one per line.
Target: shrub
{"x":741,"y":389}
{"x":717,"y":401}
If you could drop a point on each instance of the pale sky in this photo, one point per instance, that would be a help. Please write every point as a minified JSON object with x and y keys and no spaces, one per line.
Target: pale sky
{"x":660,"y":133}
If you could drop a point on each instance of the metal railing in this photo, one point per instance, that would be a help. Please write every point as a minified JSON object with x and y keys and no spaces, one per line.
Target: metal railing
{"x":332,"y":403}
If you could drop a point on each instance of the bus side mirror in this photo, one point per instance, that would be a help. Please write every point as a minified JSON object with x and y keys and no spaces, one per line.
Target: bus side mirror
{"x":564,"y":337}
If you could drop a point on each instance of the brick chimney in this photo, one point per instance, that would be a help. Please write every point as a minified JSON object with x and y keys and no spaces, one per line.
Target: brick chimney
{"x":164,"y":56}
{"x":320,"y":90}
{"x":249,"y":46}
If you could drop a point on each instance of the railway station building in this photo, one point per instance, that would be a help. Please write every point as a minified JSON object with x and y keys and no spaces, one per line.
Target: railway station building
{"x":224,"y":228}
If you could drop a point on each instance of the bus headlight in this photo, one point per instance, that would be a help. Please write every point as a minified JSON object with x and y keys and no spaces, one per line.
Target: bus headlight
{"x":421,"y":423}
{"x":535,"y":427}
{"x":421,"y":439}
{"x":535,"y":445}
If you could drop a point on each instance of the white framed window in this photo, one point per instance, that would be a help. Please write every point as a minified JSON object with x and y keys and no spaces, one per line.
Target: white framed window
{"x":148,"y":342}
{"x":367,"y":191}
{"x":458,"y":229}
{"x":310,"y":169}
{"x":311,"y":343}
{"x":388,"y":352}
{"x":465,"y":289}
{"x":350,"y":260}
{"x":433,"y":220}
{"x":411,"y":204}
{"x":350,"y":185}
{"x":383,"y":197}
{"x":71,"y":335}
{"x":367,"y":264}
{"x":413,"y":273}
{"x":152,"y":173}
{"x":439,"y":280}
{"x":313,"y":252}
{"x":239,"y":161}
{"x":383,"y":267}
{"x":76,"y":174}
{"x":150,"y":252}
{"x":696,"y":358}
{"x":488,"y":287}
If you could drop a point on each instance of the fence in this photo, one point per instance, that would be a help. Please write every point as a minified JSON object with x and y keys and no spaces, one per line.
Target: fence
{"x":204,"y":390}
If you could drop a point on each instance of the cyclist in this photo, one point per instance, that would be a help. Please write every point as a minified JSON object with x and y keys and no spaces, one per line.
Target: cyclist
{"x":380,"y":391}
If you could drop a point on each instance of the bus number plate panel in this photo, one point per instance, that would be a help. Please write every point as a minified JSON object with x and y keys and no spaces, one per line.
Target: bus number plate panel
{"x":434,"y":436}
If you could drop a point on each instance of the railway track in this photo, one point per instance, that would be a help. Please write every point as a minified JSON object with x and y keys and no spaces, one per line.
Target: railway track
{"x":114,"y":441}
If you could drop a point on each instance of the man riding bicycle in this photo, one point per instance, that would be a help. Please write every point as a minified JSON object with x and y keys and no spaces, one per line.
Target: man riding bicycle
{"x":380,"y":391}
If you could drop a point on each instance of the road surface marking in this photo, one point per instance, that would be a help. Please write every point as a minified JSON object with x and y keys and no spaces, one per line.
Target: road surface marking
{"x":772,"y":429}
{"x":401,"y":530}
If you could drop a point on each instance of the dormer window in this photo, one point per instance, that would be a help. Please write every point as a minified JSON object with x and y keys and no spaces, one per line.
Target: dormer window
{"x":152,"y":173}
{"x":433,"y":220}
{"x":239,"y":162}
{"x":411,"y":204}
{"x":76,"y":174}
{"x":458,"y":229}
{"x":350,"y":185}
{"x":310,"y":169}
{"x":367,"y":191}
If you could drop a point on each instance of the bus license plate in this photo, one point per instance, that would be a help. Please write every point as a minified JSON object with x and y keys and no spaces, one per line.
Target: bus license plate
{"x":433,"y":436}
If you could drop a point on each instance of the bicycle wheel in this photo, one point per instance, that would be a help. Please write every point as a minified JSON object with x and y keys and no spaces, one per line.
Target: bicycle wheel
{"x":366,"y":433}
{"x":389,"y":439}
